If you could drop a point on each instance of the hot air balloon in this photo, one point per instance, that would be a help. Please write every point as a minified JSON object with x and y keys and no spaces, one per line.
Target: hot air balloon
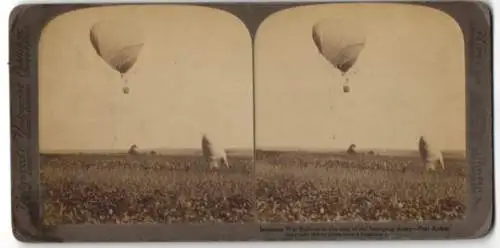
{"x":340,"y":42}
{"x":430,"y":156}
{"x":118,"y":43}
{"x":214,"y":155}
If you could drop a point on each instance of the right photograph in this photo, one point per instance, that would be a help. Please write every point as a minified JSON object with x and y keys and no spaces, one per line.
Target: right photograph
{"x":360,"y":115}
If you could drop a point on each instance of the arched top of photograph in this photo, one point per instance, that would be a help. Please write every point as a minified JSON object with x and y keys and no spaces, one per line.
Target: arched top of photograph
{"x":368,"y":72}
{"x":123,"y":66}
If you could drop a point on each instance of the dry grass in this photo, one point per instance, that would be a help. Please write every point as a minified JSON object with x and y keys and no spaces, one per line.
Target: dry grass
{"x":81,"y":189}
{"x":144,"y":190}
{"x":299,"y":189}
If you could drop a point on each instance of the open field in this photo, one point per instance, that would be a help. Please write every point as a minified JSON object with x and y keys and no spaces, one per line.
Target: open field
{"x":282,"y":187}
{"x":315,"y":188}
{"x":143,"y":189}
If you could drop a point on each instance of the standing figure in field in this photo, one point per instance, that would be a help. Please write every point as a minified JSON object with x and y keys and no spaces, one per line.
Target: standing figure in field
{"x":214,"y":156}
{"x":430,"y":157}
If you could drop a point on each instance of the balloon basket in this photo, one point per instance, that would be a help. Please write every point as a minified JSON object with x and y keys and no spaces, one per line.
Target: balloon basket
{"x":346,"y":89}
{"x":126,"y":90}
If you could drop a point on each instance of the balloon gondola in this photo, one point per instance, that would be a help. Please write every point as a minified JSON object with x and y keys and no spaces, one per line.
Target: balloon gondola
{"x":346,"y":88}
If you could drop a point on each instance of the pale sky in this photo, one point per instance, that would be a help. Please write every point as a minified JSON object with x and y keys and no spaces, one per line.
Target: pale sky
{"x":193,"y":76}
{"x":409,"y":81}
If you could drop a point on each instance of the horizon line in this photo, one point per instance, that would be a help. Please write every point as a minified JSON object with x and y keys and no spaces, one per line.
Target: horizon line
{"x":282,"y":149}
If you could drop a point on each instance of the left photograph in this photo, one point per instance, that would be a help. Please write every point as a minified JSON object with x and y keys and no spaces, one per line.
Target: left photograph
{"x":145,"y":116}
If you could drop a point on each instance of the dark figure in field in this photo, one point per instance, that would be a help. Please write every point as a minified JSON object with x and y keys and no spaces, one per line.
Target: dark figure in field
{"x":351,"y":149}
{"x":133,"y":150}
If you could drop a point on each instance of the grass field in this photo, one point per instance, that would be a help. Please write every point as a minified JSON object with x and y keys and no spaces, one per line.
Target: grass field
{"x":281,"y":187}
{"x":312,"y":188}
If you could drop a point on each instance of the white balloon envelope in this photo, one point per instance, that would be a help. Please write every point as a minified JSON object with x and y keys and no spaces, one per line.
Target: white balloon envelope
{"x":118,"y":42}
{"x":339,"y":41}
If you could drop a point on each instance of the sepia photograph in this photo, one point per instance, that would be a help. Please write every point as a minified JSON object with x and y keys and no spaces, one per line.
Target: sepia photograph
{"x":251,"y":121}
{"x":146,"y":116}
{"x":360,"y":115}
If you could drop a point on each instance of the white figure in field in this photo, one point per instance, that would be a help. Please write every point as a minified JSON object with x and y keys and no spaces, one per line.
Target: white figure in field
{"x":430,"y":156}
{"x":214,"y":156}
